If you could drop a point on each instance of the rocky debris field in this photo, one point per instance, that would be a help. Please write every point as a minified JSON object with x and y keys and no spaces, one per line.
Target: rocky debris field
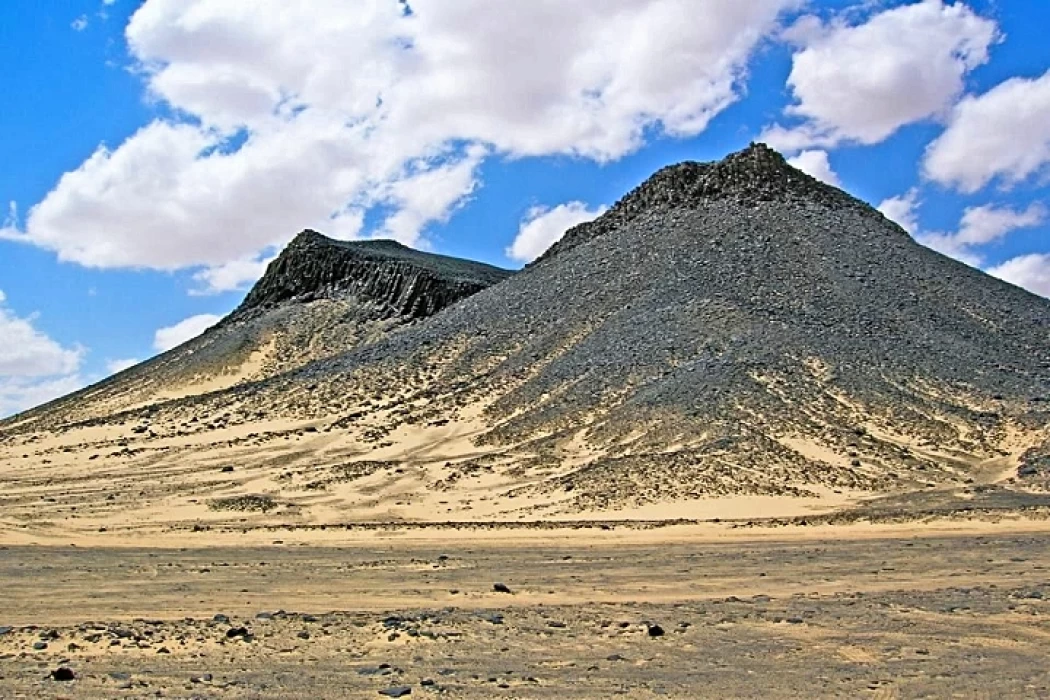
{"x":900,"y":617}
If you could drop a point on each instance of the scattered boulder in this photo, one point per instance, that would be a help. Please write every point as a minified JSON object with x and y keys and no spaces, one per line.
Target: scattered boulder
{"x":63,"y":674}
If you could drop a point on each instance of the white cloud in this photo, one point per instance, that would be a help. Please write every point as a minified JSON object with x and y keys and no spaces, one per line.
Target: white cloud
{"x":309,"y":114}
{"x":19,"y":394}
{"x":542,"y":227}
{"x":80,"y":23}
{"x":816,"y":163}
{"x":33,"y":367}
{"x":902,"y":210}
{"x":1003,"y":133}
{"x":232,"y":276}
{"x":980,"y":226}
{"x":862,"y":82}
{"x":26,"y":352}
{"x":1031,"y":272}
{"x":173,"y":336}
{"x":116,"y":366}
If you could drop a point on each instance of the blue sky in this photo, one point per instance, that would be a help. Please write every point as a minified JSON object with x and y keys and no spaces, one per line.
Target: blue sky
{"x":157,"y":153}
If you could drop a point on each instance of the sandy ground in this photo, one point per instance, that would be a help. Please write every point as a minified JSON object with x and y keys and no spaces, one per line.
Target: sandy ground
{"x":290,"y":558}
{"x":786,"y":614}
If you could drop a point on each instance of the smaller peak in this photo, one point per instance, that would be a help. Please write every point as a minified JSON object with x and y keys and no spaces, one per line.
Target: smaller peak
{"x":309,"y":237}
{"x":385,"y":272}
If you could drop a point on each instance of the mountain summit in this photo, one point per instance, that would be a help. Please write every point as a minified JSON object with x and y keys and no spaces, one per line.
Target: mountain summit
{"x":750,"y":177}
{"x":400,"y":280}
{"x":728,"y":330}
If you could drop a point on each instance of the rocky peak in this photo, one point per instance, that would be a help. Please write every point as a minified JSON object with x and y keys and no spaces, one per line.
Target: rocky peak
{"x":749,"y":177}
{"x":402,"y":281}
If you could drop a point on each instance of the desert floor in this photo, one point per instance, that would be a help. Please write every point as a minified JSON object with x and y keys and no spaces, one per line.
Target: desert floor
{"x":961,"y":610}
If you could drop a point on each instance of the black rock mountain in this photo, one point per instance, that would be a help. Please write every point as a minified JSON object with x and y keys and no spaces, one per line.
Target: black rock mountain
{"x":318,"y":298}
{"x":397,"y":279}
{"x":726,"y":328}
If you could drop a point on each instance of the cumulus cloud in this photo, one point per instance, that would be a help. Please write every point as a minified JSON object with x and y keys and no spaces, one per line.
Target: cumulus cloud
{"x":26,"y":352}
{"x":1003,"y":133}
{"x":232,"y":276}
{"x":980,"y":226}
{"x":312,"y":114}
{"x":860,"y":83}
{"x":902,"y":210}
{"x":33,"y":367}
{"x":172,"y":336}
{"x":542,"y":227}
{"x":816,"y":163}
{"x":116,"y":366}
{"x":1031,"y":272}
{"x":19,"y":394}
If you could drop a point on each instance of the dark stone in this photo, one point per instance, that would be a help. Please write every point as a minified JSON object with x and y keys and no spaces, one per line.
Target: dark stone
{"x":500,"y":588}
{"x":397,"y":691}
{"x":63,"y":674}
{"x":220,"y":618}
{"x":39,"y":646}
{"x":226,"y":469}
{"x":6,"y":630}
{"x":404,"y":281}
{"x":656,"y":631}
{"x":235,"y":632}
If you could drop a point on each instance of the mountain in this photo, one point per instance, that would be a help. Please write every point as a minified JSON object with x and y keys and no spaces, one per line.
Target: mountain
{"x":319,"y":298}
{"x":730,"y":339}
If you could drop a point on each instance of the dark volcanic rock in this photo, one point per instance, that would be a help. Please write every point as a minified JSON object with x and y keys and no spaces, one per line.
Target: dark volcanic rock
{"x":725,"y":308}
{"x":63,"y":674}
{"x":755,"y":175}
{"x":727,"y":328}
{"x":403,"y":281}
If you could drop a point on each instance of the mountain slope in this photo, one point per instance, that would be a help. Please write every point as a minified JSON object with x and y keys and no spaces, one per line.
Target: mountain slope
{"x":319,"y":298}
{"x":733,"y":330}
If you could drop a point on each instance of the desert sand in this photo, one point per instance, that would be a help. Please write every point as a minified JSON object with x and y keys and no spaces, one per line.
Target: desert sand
{"x":669,"y":612}
{"x":264,"y":561}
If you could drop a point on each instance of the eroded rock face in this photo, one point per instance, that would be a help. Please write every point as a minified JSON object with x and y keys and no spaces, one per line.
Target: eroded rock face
{"x":402,"y":281}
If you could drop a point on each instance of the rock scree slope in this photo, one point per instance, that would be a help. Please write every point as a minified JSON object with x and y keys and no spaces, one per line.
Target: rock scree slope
{"x":733,"y":330}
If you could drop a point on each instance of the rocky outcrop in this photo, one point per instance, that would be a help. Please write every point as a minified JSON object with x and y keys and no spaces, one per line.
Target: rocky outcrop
{"x":755,"y":175}
{"x":360,"y":291}
{"x":402,"y":281}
